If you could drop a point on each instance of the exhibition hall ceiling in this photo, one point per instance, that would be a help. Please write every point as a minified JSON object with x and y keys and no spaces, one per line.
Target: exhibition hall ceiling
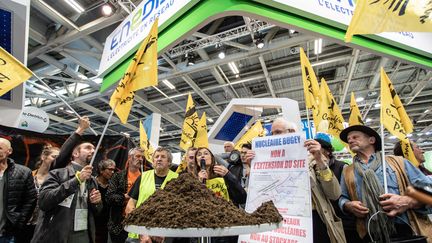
{"x":65,"y":49}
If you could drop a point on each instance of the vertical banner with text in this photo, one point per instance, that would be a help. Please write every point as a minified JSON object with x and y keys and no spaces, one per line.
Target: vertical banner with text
{"x":280,"y":173}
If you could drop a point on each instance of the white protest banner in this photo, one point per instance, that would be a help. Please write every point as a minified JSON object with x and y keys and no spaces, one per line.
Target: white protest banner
{"x":280,"y":172}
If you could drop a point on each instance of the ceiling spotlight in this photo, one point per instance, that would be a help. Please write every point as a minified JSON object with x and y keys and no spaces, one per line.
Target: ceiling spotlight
{"x":368,"y":119}
{"x":107,"y":9}
{"x":221,"y":54}
{"x":377,"y":105}
{"x":190,"y":59}
{"x":259,"y":42}
{"x":359,"y":99}
{"x":221,"y":49}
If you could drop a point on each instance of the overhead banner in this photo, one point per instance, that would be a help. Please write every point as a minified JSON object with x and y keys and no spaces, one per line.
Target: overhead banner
{"x":121,"y":43}
{"x":280,"y":172}
{"x":340,"y":13}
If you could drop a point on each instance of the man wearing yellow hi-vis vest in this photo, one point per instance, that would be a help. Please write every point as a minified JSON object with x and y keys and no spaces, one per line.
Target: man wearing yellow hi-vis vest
{"x":148,"y":183}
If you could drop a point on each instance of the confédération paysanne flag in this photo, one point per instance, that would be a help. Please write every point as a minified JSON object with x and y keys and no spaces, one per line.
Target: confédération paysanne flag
{"x":394,"y":117}
{"x":310,"y":86}
{"x":355,"y":115}
{"x":202,"y":137}
{"x":377,"y":16}
{"x":145,"y":144}
{"x":12,"y":72}
{"x":141,"y":73}
{"x":190,"y":125}
{"x":331,"y":120}
{"x":256,"y":130}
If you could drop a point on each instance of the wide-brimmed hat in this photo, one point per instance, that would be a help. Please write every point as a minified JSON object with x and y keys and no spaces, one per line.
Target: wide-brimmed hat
{"x":364,"y":129}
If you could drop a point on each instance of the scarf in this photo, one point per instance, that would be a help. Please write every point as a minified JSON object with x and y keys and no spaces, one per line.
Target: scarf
{"x":380,"y":227}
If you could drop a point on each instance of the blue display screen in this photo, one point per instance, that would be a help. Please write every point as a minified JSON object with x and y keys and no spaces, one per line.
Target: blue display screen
{"x":233,"y":126}
{"x":6,"y":39}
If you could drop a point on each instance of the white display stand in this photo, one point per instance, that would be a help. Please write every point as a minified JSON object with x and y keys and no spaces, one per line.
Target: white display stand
{"x":202,"y":232}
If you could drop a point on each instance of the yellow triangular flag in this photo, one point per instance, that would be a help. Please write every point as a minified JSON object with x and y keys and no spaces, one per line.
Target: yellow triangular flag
{"x":331,"y":117}
{"x":256,"y":130}
{"x":310,"y":86}
{"x":141,"y":73}
{"x":391,"y":117}
{"x":202,"y":137}
{"x":145,"y":144}
{"x":12,"y":72}
{"x":190,"y":125}
{"x":374,"y":16}
{"x":408,"y":152}
{"x":355,"y":115}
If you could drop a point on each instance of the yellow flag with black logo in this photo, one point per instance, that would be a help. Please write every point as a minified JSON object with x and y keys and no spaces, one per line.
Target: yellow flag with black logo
{"x":394,"y":117}
{"x":141,"y":73}
{"x":202,"y":137}
{"x":145,"y":144}
{"x":355,"y":115}
{"x":377,"y":16}
{"x":12,"y":72}
{"x":256,"y":130}
{"x":190,"y":125}
{"x":331,"y":120}
{"x":310,"y":86}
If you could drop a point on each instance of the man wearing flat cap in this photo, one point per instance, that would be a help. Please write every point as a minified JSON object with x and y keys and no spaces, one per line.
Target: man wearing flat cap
{"x":363,"y":192}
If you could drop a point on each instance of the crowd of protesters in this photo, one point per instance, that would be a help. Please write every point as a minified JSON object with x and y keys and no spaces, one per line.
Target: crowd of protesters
{"x":62,"y":200}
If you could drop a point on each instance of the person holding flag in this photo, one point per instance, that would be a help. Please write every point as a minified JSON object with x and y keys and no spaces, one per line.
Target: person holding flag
{"x":363,"y":190}
{"x":418,"y":153}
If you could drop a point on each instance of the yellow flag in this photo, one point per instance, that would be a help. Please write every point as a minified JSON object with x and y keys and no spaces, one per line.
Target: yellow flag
{"x":202,"y":137}
{"x":145,"y":144}
{"x":409,"y":153}
{"x":394,"y":117}
{"x":330,"y":115}
{"x":355,"y":115}
{"x":141,"y":73}
{"x":377,"y":16}
{"x":310,"y":86}
{"x":12,"y":72}
{"x":190,"y":125}
{"x":256,"y":130}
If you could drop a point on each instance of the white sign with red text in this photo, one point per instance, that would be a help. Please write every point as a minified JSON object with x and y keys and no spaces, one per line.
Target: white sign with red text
{"x":280,"y":172}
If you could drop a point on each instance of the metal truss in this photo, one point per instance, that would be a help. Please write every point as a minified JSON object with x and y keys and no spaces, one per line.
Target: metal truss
{"x":251,"y":28}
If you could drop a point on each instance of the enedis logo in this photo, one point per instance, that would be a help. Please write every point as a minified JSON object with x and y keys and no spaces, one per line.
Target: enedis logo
{"x":139,"y":22}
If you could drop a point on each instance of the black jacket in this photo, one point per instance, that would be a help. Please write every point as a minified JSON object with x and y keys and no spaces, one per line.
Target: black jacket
{"x":65,"y":155}
{"x":19,"y":197}
{"x":116,"y":201}
{"x":55,"y":222}
{"x":235,"y":190}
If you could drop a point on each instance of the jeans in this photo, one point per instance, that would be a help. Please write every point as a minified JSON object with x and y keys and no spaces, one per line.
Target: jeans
{"x":7,"y":239}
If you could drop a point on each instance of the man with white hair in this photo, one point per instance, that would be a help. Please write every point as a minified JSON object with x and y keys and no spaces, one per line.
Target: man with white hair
{"x":327,"y":226}
{"x":228,"y":147}
{"x":17,"y":194}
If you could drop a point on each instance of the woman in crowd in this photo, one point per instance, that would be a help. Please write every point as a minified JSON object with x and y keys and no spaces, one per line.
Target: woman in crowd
{"x":106,"y":170}
{"x":47,"y":157}
{"x":218,"y":179}
{"x":230,"y":188}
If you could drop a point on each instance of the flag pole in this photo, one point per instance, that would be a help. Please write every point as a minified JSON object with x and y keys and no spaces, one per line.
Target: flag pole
{"x":384,"y":165}
{"x":308,"y":123}
{"x":64,"y":101}
{"x":103,"y":134}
